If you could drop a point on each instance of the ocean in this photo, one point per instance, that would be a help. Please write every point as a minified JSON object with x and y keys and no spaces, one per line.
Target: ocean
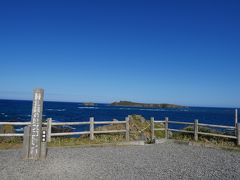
{"x":20,"y":111}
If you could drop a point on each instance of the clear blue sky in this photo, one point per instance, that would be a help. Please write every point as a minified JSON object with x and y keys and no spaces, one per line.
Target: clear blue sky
{"x":184,"y":52}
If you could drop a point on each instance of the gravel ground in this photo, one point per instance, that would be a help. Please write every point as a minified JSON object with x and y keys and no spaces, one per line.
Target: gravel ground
{"x":163,"y":161}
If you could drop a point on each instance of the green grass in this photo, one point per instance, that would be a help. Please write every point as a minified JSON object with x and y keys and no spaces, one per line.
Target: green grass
{"x":204,"y":138}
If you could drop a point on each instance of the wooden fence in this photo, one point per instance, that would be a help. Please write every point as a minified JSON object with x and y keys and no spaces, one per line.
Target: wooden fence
{"x":91,"y":131}
{"x":195,"y":131}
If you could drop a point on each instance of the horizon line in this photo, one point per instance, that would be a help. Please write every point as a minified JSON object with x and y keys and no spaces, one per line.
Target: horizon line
{"x":60,"y":101}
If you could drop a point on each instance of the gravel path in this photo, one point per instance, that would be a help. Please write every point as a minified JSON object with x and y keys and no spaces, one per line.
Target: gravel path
{"x":163,"y":161}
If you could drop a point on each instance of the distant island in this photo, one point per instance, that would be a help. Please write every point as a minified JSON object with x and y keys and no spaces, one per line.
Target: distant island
{"x":145,"y":105}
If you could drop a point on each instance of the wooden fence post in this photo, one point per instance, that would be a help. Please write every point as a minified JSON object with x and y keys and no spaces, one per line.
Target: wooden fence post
{"x":236,"y":120}
{"x":152,"y":128}
{"x":91,"y":128}
{"x":127,"y":128}
{"x":196,"y":130}
{"x":238,"y":134}
{"x":26,"y":141}
{"x":166,"y":127}
{"x":49,"y":129}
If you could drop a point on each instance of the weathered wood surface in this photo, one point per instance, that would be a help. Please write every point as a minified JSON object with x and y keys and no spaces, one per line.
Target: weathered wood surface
{"x":36,"y":124}
{"x":110,"y":122}
{"x":159,"y":129}
{"x":180,"y":130}
{"x":70,"y":133}
{"x":218,"y":135}
{"x":92,"y":128}
{"x":152,"y":128}
{"x":178,"y":122}
{"x":110,"y":131}
{"x":127,"y":129}
{"x":26,"y":141}
{"x":15,"y":123}
{"x":69,"y":123}
{"x":196,"y":130}
{"x":43,"y":151}
{"x":12,"y":135}
{"x":49,"y":129}
{"x":216,"y":126}
{"x":236,"y":116}
{"x":238,"y":134}
{"x":50,"y":124}
{"x":166,"y":127}
{"x":157,"y":121}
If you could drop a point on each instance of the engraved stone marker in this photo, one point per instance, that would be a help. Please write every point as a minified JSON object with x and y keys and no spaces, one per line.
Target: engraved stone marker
{"x":36,"y":125}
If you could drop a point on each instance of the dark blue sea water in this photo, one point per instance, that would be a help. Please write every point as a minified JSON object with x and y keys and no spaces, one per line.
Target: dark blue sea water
{"x":15,"y":110}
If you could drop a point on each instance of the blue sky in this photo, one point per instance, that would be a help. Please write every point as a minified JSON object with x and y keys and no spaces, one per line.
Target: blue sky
{"x":183,"y":52}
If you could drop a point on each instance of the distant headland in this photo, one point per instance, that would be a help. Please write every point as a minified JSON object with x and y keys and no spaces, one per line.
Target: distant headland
{"x":146,"y":105}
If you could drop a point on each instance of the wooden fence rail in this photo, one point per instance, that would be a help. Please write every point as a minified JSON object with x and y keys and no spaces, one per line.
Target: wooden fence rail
{"x":91,"y":131}
{"x":195,"y":131}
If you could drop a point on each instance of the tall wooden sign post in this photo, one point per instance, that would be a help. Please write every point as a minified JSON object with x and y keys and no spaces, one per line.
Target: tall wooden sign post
{"x":34,"y":145}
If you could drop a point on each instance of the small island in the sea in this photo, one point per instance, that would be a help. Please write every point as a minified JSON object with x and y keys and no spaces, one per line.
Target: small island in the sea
{"x":146,"y":105}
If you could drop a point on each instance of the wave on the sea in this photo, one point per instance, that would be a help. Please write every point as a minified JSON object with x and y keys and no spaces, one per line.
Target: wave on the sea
{"x":4,"y":114}
{"x":59,"y":110}
{"x":152,"y":110}
{"x":88,"y":107}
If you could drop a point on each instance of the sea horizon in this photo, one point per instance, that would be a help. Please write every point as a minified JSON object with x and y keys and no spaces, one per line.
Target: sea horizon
{"x":109,"y":103}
